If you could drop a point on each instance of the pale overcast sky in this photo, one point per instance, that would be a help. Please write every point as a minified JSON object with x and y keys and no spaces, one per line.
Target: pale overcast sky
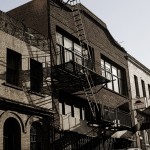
{"x":127,"y":20}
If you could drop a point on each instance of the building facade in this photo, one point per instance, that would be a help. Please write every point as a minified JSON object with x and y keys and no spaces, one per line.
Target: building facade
{"x":25,"y":109}
{"x":88,"y":75}
{"x":140,"y":90}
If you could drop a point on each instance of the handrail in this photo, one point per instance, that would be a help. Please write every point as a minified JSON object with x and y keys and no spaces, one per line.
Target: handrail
{"x":111,"y":114}
{"x":77,"y":57}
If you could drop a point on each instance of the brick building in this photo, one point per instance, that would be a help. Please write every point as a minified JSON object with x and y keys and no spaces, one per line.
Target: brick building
{"x":140,"y":92}
{"x":89,"y":79}
{"x":25,"y":108}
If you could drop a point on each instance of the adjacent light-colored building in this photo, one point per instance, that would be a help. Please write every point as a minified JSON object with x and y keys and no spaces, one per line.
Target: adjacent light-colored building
{"x":140,"y":92}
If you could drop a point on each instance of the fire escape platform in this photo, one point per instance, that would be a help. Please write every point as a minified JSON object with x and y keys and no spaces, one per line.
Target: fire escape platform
{"x":112,"y":120}
{"x":144,"y":123}
{"x":71,"y":76}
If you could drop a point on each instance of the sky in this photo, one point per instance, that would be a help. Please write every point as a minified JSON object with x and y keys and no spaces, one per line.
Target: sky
{"x":128,"y":21}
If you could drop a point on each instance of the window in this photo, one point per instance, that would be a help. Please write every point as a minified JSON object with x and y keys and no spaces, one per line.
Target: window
{"x":143,"y":88}
{"x":149,"y":90}
{"x":36,"y":75}
{"x":35,"y":137}
{"x":13,"y":67}
{"x":68,"y":50}
{"x":136,"y":86}
{"x":71,"y":105}
{"x":115,"y":75}
{"x":12,"y":135}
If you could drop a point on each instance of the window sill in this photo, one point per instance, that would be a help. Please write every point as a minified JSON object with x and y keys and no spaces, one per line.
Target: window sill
{"x":12,"y":86}
{"x":36,"y":93}
{"x":20,"y":88}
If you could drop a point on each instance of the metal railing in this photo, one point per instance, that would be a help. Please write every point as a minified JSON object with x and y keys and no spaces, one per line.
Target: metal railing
{"x":74,"y":61}
{"x":65,"y":55}
{"x":118,"y":117}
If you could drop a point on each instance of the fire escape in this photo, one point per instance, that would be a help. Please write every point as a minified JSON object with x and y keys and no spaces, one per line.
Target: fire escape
{"x":33,"y":38}
{"x":79,"y":74}
{"x":73,"y":76}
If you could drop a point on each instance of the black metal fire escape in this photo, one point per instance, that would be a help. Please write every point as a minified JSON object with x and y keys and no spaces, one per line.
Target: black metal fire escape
{"x":87,"y":72}
{"x":73,"y":76}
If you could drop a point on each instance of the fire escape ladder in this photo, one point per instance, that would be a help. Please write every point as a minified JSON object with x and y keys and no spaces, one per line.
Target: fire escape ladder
{"x":78,"y":20}
{"x":89,"y":93}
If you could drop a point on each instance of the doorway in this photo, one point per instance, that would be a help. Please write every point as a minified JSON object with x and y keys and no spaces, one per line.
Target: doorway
{"x":12,"y":135}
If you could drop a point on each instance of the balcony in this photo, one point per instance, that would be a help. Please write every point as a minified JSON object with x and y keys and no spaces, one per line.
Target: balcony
{"x":70,"y":70}
{"x":109,"y":120}
{"x":112,"y":119}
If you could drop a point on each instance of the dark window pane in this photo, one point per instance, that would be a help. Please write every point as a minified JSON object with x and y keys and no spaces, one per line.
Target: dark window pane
{"x":13,"y":67}
{"x":36,"y":75}
{"x":136,"y":86}
{"x":35,"y":137}
{"x":149,"y":89}
{"x":143,"y":88}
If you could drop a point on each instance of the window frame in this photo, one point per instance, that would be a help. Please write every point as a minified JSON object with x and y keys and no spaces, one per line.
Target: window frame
{"x":149,"y":90}
{"x":36,"y":137}
{"x":62,"y":50}
{"x":143,"y":88}
{"x":13,"y":70}
{"x":36,"y":76}
{"x":136,"y":86}
{"x":68,"y":104}
{"x":108,"y":73}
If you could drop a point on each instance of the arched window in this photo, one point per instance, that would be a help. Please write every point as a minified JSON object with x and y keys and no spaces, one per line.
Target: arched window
{"x":35,"y":137}
{"x":12,"y":135}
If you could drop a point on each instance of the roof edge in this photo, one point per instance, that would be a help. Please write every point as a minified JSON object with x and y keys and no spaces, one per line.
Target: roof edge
{"x":138,"y":64}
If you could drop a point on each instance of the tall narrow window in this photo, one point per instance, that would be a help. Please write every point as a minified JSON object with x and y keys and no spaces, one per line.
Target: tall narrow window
{"x":36,"y":75}
{"x":92,"y":58}
{"x":35,"y":137}
{"x":136,"y":86}
{"x":78,"y":54}
{"x":109,"y":75}
{"x":68,"y":50}
{"x":149,"y":90}
{"x":13,"y":67}
{"x":143,"y":88}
